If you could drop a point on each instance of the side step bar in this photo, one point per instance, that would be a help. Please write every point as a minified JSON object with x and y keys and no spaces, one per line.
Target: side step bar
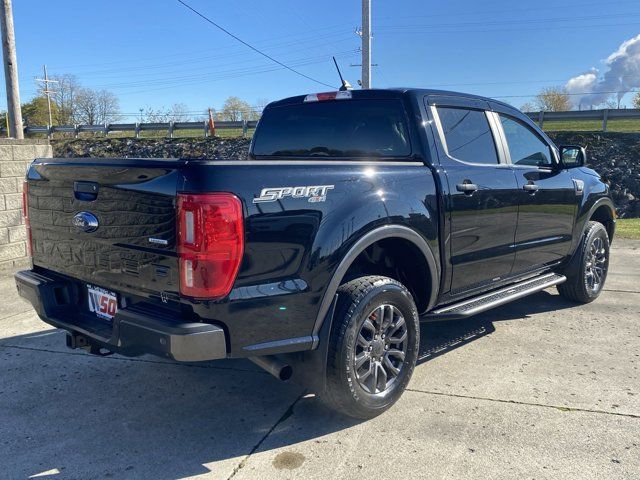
{"x":493,"y":299}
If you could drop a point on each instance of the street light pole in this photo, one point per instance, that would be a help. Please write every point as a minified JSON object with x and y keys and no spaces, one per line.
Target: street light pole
{"x":14,"y":111}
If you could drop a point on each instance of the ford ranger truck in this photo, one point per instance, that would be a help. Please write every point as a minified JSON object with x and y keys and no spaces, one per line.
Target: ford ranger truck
{"x":357,"y":215}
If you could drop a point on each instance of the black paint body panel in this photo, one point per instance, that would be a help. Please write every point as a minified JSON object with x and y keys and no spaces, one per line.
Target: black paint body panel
{"x":293,"y":247}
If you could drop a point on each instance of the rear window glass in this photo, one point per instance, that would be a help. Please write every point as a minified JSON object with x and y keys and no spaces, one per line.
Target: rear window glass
{"x":340,"y":128}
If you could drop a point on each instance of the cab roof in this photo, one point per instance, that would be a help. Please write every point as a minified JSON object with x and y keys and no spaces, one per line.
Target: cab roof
{"x":389,"y":93}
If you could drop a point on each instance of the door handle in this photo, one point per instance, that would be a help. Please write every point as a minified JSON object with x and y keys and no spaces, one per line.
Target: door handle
{"x":531,"y":187}
{"x":467,"y":187}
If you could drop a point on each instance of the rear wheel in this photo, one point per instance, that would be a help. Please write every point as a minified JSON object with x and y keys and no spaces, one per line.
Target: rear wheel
{"x":373,"y":346}
{"x":586,"y":282}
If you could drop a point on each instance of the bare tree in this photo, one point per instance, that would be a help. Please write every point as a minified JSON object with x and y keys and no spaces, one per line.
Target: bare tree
{"x":64,"y":97}
{"x":261,"y":103}
{"x":528,"y":107}
{"x":235,"y":109}
{"x":636,"y":100}
{"x":86,"y":106}
{"x":612,"y":102}
{"x":108,"y":107}
{"x":153,"y":116}
{"x":553,"y":99}
{"x":178,"y":112}
{"x":74,"y":104}
{"x":94,"y":107}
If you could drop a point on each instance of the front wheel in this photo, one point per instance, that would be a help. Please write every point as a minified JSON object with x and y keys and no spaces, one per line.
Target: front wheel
{"x":586,"y":282}
{"x":373,"y":346}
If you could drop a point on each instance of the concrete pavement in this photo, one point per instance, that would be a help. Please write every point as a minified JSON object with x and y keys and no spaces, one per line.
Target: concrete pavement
{"x":541,"y":388}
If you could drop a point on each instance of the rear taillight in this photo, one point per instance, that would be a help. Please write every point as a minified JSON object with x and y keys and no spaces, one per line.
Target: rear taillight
{"x":210,"y":243}
{"x":25,"y":213}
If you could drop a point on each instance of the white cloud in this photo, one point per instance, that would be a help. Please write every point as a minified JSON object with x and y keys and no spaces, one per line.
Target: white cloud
{"x":622,"y":75}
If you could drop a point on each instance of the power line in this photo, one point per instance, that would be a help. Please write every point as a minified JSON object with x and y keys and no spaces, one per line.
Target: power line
{"x":479,"y":29}
{"x":508,"y":22}
{"x":233,"y":53}
{"x":300,"y":37}
{"x":205,"y":76}
{"x":183,"y":66}
{"x":513,"y":82}
{"x":565,"y":93}
{"x":475,"y":13}
{"x":209,"y":80}
{"x":204,"y":17}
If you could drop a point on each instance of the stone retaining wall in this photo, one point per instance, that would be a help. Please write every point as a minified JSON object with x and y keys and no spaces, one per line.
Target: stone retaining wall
{"x":15,"y":155}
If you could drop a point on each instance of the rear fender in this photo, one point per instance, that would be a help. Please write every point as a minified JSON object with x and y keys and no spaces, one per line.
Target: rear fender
{"x":310,"y":366}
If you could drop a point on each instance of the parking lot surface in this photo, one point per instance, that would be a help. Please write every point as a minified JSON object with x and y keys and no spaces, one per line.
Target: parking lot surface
{"x":541,"y":388}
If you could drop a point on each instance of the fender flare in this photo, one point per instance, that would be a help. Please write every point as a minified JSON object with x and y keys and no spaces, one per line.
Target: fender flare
{"x":596,"y":205}
{"x":380,"y":233}
{"x":572,"y":264}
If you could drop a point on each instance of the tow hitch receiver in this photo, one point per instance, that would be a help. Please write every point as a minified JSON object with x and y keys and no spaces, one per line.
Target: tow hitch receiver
{"x":76,"y":340}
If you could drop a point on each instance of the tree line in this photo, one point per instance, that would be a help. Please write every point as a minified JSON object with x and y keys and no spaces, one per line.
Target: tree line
{"x":72,"y":104}
{"x":557,"y":99}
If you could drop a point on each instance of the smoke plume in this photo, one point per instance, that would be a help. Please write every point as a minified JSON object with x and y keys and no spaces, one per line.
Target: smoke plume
{"x":622,"y":75}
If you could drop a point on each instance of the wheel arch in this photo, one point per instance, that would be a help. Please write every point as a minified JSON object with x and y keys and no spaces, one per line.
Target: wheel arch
{"x":387,"y":232}
{"x":603,"y":208}
{"x":603,"y":211}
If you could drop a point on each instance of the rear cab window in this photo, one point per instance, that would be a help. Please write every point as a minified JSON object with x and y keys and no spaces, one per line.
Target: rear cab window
{"x":467,"y":135}
{"x":334,"y":129}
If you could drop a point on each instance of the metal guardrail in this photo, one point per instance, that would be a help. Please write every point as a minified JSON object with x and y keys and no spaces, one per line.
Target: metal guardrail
{"x":169,"y":127}
{"x":603,"y":115}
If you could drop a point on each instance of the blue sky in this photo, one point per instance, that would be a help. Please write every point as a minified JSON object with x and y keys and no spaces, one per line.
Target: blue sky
{"x":156,"y":53}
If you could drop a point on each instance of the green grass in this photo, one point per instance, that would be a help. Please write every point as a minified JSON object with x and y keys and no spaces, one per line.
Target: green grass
{"x":624,"y":125}
{"x":628,"y":228}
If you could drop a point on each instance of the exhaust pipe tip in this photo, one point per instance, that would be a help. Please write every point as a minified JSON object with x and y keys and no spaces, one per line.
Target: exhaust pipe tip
{"x":286,"y":372}
{"x":274,"y":366}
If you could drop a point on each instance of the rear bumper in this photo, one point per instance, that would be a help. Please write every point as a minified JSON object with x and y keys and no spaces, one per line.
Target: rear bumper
{"x":135,"y":330}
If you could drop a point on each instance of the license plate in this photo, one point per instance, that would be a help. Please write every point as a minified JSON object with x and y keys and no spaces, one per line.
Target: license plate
{"x":102,"y":302}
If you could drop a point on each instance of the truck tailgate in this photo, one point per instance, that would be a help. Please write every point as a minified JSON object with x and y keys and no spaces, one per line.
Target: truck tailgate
{"x":133,"y":247}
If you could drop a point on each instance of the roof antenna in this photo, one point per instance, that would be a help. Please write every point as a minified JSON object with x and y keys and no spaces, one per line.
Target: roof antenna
{"x":345,"y":85}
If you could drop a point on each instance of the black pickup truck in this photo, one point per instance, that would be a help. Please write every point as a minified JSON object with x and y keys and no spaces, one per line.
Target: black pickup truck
{"x":357,"y":215}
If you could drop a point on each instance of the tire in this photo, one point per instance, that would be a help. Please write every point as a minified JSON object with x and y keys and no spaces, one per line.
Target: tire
{"x":586,"y":280}
{"x":366,"y":390}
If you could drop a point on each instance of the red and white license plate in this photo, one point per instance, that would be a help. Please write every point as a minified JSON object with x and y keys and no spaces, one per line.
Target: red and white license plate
{"x":102,"y":302}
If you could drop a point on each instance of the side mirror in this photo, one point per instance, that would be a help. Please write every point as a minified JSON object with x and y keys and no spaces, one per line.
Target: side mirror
{"x":572,"y":156}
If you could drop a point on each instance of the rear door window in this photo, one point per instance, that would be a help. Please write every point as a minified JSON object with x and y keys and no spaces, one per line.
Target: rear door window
{"x":467,"y":135}
{"x":340,"y":128}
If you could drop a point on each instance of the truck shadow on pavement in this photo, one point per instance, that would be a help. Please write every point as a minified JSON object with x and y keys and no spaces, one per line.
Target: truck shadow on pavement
{"x":439,"y":338}
{"x":66,"y":414}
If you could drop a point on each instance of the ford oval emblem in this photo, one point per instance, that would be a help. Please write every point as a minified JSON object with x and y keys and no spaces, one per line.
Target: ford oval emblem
{"x":85,"y":222}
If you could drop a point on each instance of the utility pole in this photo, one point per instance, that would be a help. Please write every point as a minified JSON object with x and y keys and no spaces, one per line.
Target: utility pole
{"x":47,"y":91}
{"x":366,"y":43}
{"x":11,"y":70}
